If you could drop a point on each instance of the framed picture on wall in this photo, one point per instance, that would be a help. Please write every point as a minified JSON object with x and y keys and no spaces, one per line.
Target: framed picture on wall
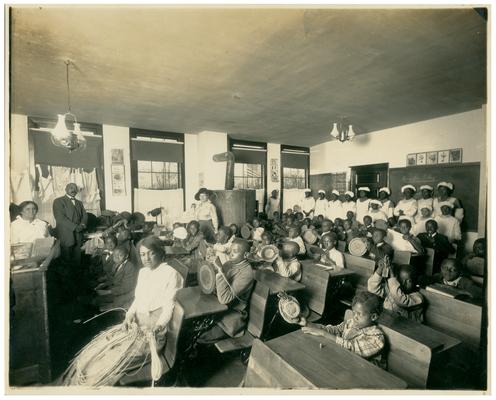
{"x":432,"y":157}
{"x":274,"y":170}
{"x":411,"y":160}
{"x":455,"y":156}
{"x":421,"y":158}
{"x":443,"y":157}
{"x":117,"y":156}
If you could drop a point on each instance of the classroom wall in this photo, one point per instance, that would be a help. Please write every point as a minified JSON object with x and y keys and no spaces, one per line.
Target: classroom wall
{"x":21,"y":164}
{"x":117,"y":137}
{"x":464,"y":130}
{"x":273,"y":151}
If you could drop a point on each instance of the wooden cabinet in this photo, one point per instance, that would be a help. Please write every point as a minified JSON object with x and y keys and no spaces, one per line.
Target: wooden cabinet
{"x":29,"y":334}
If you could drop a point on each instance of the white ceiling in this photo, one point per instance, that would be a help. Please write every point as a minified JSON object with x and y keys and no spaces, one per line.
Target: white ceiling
{"x":279,"y":75}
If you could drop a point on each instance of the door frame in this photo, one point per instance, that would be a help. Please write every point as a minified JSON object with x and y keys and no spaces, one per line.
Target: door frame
{"x":353,"y":175}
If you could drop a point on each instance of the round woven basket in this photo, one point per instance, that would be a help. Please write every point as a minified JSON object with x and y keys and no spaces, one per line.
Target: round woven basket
{"x":245,"y":232}
{"x":269,"y":252}
{"x":357,"y":246}
{"x":310,"y":236}
{"x":206,"y":277}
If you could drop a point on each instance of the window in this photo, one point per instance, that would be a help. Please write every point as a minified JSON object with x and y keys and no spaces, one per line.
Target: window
{"x":294,"y":178}
{"x":158,"y":159}
{"x":339,"y":182}
{"x":248,"y":176}
{"x":159,"y":175}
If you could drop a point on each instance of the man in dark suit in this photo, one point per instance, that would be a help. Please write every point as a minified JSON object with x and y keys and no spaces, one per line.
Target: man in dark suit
{"x":71,"y":218}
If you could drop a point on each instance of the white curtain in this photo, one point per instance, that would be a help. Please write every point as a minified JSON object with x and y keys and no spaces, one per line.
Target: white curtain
{"x":260,"y":194}
{"x":54,"y":184}
{"x":292,"y":197}
{"x":172,"y":202}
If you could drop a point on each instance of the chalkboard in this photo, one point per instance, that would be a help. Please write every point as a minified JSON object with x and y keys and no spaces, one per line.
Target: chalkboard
{"x":465,"y":178}
{"x":328,"y":182}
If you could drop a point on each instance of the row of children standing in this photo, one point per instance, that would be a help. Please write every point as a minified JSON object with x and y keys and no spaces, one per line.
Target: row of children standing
{"x":444,"y":208}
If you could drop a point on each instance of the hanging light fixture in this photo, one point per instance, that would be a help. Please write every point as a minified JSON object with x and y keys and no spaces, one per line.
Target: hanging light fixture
{"x":342,"y":131}
{"x":60,"y":135}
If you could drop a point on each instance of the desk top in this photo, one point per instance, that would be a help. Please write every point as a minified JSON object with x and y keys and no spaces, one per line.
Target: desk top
{"x":277,"y":283}
{"x":330,"y":366}
{"x":333,"y":272}
{"x":196,"y":304}
{"x":434,"y":340}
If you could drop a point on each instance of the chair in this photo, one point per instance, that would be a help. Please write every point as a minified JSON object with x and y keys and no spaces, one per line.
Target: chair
{"x":256,"y":322}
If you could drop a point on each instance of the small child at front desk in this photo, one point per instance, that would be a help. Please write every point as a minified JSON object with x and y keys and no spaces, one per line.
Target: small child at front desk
{"x":432,"y":239}
{"x":398,"y":287}
{"x":359,"y":334}
{"x":287,"y":264}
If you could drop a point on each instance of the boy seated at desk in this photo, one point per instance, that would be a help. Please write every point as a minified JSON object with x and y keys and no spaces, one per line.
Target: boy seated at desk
{"x":351,"y":232}
{"x":234,"y":282}
{"x":360,"y":334}
{"x":398,"y":288}
{"x":287,"y":264}
{"x":256,"y":229}
{"x":294,"y":236}
{"x":102,"y":262}
{"x":432,"y":239}
{"x":474,"y":262}
{"x":451,"y":276}
{"x":221,"y":247}
{"x":118,"y":289}
{"x":377,"y":247}
{"x":234,"y":230}
{"x":326,"y":227}
{"x":193,"y":241}
{"x":366,"y":229}
{"x":331,"y":256}
{"x":404,"y":240}
{"x":350,"y":217}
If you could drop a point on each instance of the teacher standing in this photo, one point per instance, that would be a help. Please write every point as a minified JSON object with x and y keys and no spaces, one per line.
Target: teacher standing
{"x":206,"y":215}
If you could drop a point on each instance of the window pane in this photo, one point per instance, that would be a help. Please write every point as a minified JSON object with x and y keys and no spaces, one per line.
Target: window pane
{"x":173,"y":167}
{"x":144,"y":166}
{"x":144,"y":180}
{"x":238,"y":183}
{"x":238,"y":169}
{"x":157,"y":166}
{"x":173,"y":181}
{"x":301,"y":173}
{"x":157,"y":181}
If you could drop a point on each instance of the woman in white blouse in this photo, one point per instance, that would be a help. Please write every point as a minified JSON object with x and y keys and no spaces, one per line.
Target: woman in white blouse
{"x":206,"y":215}
{"x":26,"y":227}
{"x":145,"y":326}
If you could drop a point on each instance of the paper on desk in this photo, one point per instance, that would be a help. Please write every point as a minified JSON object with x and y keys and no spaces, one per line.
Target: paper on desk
{"x":42,"y":247}
{"x":325,"y":266}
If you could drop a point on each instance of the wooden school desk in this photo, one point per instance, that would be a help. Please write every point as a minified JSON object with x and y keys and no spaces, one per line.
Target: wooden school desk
{"x":297,"y":361}
{"x":457,"y":318}
{"x":277,"y":283}
{"x":417,"y":353}
{"x":29,"y":335}
{"x":322,"y":287}
{"x":197,"y":304}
